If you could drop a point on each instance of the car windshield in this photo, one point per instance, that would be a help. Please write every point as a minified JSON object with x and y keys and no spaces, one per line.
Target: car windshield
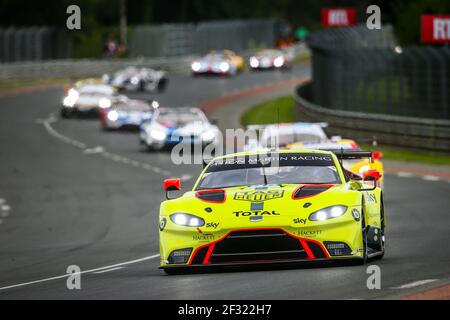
{"x":178,"y":118}
{"x":282,"y":140}
{"x":283,"y":169}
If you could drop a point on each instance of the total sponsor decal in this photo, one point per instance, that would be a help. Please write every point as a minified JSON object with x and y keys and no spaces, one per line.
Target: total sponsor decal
{"x":255,"y":213}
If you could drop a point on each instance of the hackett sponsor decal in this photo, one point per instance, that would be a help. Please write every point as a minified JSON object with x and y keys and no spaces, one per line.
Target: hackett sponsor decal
{"x":255,"y":213}
{"x":257,"y":196}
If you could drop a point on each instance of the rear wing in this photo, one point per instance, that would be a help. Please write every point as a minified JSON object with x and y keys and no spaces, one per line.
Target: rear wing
{"x":352,"y":154}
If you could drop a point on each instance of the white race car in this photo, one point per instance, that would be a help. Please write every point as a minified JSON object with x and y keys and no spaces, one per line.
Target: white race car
{"x":269,"y":59}
{"x":88,"y":99}
{"x":170,"y":126}
{"x":219,"y":63}
{"x":127,"y":113}
{"x":137,"y":79}
{"x":276,"y":136}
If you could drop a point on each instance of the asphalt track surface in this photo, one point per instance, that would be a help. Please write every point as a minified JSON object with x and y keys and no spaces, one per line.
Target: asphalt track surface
{"x":74,"y":195}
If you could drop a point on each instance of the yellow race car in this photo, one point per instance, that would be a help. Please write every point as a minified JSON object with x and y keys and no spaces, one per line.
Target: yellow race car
{"x":273,"y":207}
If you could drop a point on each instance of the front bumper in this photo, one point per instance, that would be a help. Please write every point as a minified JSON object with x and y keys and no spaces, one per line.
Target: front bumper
{"x":264,"y":246}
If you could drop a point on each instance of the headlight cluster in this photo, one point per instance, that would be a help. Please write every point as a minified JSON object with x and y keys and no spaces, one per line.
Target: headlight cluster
{"x":208,"y":135}
{"x":187,"y":220}
{"x":72,"y":97}
{"x":224,"y":66}
{"x":104,"y":103}
{"x":113,"y":115}
{"x":254,"y":63}
{"x":328,"y":213}
{"x":195,"y":66}
{"x":159,"y":135}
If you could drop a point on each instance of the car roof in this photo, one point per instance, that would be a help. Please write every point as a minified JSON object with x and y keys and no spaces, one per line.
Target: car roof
{"x":281,"y":152}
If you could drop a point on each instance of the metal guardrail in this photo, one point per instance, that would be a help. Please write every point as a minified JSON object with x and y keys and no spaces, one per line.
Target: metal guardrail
{"x":362,"y":70}
{"x":94,"y":67}
{"x":86,"y":67}
{"x":407,"y":132}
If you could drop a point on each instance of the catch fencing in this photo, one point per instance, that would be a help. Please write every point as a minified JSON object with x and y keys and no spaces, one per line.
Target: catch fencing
{"x":184,"y":39}
{"x":362,"y":70}
{"x":33,"y":43}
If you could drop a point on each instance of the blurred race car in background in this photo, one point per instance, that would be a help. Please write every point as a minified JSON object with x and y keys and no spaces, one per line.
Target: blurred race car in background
{"x":269,"y":59}
{"x":137,"y":79}
{"x":127,"y":113}
{"x":224,"y":62}
{"x":305,"y":135}
{"x":170,"y":126}
{"x":88,"y":99}
{"x":276,"y":136}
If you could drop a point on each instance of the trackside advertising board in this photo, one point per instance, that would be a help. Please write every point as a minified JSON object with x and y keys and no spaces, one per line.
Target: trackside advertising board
{"x":338,"y":17}
{"x":436,"y":28}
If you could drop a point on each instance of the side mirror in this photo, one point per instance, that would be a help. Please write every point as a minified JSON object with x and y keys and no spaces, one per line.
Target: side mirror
{"x":377,"y":155}
{"x":171,"y":185}
{"x":371,"y":175}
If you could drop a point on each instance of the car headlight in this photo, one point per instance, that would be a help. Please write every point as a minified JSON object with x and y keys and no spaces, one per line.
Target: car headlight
{"x":328,"y":213}
{"x":158,"y":134}
{"x":254,"y":63}
{"x":278,"y":62}
{"x":208,"y":135}
{"x":73,"y":93}
{"x":113,"y":115}
{"x":224,"y":66}
{"x":155,"y":104}
{"x":104,"y":103}
{"x":134,"y":80}
{"x":195,"y":66}
{"x":187,"y":220}
{"x":69,"y":101}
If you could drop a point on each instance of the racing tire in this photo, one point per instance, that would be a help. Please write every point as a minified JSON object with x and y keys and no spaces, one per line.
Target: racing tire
{"x":364,"y":258}
{"x":66,"y":114}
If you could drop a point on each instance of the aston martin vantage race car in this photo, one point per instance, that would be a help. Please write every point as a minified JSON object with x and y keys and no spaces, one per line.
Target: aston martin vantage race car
{"x":127,"y":113}
{"x":170,"y":126}
{"x":224,"y":62}
{"x":137,"y":79}
{"x":273,"y":207}
{"x":305,"y":135}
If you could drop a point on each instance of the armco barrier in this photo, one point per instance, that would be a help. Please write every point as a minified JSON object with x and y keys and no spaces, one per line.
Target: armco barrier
{"x":407,"y":132}
{"x":85,"y":67}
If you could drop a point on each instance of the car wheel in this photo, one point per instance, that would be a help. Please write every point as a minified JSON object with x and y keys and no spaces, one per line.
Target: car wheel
{"x":66,"y":113}
{"x":364,"y":238}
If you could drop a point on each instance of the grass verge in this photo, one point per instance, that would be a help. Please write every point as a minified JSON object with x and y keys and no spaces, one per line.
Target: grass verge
{"x":282,"y":110}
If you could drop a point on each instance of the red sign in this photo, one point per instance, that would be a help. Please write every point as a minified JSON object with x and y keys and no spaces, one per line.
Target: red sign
{"x":435,"y":28}
{"x":344,"y":17}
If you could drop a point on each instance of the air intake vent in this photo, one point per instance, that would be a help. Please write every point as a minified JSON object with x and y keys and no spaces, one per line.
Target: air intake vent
{"x":216,"y":196}
{"x":310,"y":190}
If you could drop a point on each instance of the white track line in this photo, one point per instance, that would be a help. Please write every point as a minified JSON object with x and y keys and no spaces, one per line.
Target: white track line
{"x":100,"y":150}
{"x":415,"y":284}
{"x":431,"y":178}
{"x":82,"y":272}
{"x":404,"y":174}
{"x":108,"y":270}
